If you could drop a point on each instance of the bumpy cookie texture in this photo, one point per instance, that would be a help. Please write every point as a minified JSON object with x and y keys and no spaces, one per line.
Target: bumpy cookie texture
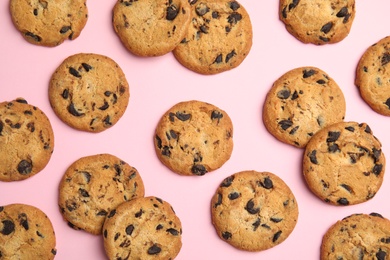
{"x":151,"y":27}
{"x":343,"y":164}
{"x":358,"y":236}
{"x":219,"y":37}
{"x":93,"y":186}
{"x":254,"y":211}
{"x":25,"y":233}
{"x":26,"y":140}
{"x":49,"y":23}
{"x":318,"y":21}
{"x":89,"y":92}
{"x":144,"y":228}
{"x":194,"y":138}
{"x":300,"y":103}
{"x":373,"y":76}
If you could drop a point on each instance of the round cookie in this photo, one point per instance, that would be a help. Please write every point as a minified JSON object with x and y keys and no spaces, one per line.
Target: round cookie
{"x":193,"y":138}
{"x":254,"y":211}
{"x":317,"y":21}
{"x":93,"y":186}
{"x":143,"y":228}
{"x":26,"y":140}
{"x":343,"y":164}
{"x":25,"y":233}
{"x":49,"y":23}
{"x":151,"y":27}
{"x":373,"y":76}
{"x":301,"y":102}
{"x":218,"y":39}
{"x":89,"y":92}
{"x":358,"y":236}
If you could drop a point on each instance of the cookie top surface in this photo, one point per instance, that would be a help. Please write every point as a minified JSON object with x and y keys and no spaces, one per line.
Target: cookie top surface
{"x":93,"y":186}
{"x":89,"y":92}
{"x":359,"y":236}
{"x":301,"y":102}
{"x":254,"y":211}
{"x":49,"y":23}
{"x":193,"y":138}
{"x":26,"y":140}
{"x":343,"y":164}
{"x":317,"y":21}
{"x":373,"y":76}
{"x":151,"y":27}
{"x":26,"y":233}
{"x":218,"y":39}
{"x":143,"y":228}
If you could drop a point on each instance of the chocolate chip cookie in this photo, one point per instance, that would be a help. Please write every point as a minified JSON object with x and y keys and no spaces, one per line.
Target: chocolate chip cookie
{"x":93,"y":186}
{"x":254,"y":211}
{"x":218,"y":39}
{"x":26,"y":233}
{"x":26,"y":140}
{"x":194,"y":138}
{"x":343,"y":164}
{"x":301,"y":102}
{"x":317,"y":21}
{"x":89,"y":92}
{"x":143,"y":228}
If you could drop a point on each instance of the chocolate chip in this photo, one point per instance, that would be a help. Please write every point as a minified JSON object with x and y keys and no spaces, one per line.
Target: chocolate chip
{"x":173,"y":231}
{"x":35,"y":11}
{"x":219,"y":200}
{"x":234,"y":5}
{"x":308,"y":73}
{"x":218,"y":59}
{"x":276,"y":220}
{"x":24,"y":167}
{"x":72,"y":110}
{"x":230,"y":56}
{"x":250,"y":207}
{"x":313,"y":157}
{"x":227,"y":182}
{"x":385,"y":58}
{"x":350,"y":128}
{"x":226,"y":235}
{"x":294,"y":130}
{"x":376,"y":154}
{"x":266,"y":183}
{"x":65,"y":94}
{"x":327,"y":27}
{"x":198,"y":169}
{"x":333,"y":136}
{"x":202,"y":9}
{"x":112,"y":213}
{"x":381,"y":255}
{"x":33,"y":36}
{"x":65,"y":29}
{"x":159,"y":142}
{"x":139,"y":213}
{"x":83,"y":193}
{"x":22,"y":217}
{"x":387,"y":103}
{"x":347,"y":188}
{"x":284,"y":94}
{"x":102,"y":213}
{"x":343,"y":12}
{"x":256,"y":224}
{"x":21,"y":101}
{"x":374,"y":214}
{"x":107,"y":93}
{"x":293,"y":4}
{"x":159,"y":226}
{"x":54,"y":251}
{"x":154,"y":250}
{"x":333,"y":148}
{"x":285,"y":124}
{"x":377,"y":169}
{"x":324,"y":39}
{"x":385,"y":240}
{"x":86,"y":66}
{"x":74,"y":72}
{"x":8,"y":227}
{"x":215,"y":14}
{"x":234,"y":18}
{"x":182,"y":116}
{"x":166,"y":151}
{"x":276,"y":236}
{"x":343,"y":201}
{"x":234,"y":195}
{"x":321,"y":81}
{"x":107,"y":120}
{"x":172,"y":12}
{"x":129,"y":230}
{"x":105,"y":106}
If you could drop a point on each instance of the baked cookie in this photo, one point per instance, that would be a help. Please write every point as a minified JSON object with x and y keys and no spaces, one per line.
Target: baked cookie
{"x":218,"y":39}
{"x":373,"y":76}
{"x":151,"y":27}
{"x":93,"y":186}
{"x":343,"y":164}
{"x":193,"y":138}
{"x":301,"y":102}
{"x":26,"y":140}
{"x":26,"y":233}
{"x":89,"y":92}
{"x":358,"y":236}
{"x":317,"y":21}
{"x":254,"y":211}
{"x":143,"y":228}
{"x":49,"y":23}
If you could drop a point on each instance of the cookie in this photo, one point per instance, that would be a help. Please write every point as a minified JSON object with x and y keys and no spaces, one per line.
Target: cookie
{"x":254,"y":211}
{"x":373,"y":76}
{"x":89,"y":92}
{"x":93,"y":186}
{"x":26,"y":140}
{"x":358,"y":236}
{"x":218,"y":39}
{"x":143,"y":228}
{"x":151,"y":27}
{"x":193,"y":138}
{"x":49,"y":23}
{"x":300,"y":103}
{"x":343,"y":164}
{"x":26,"y":233}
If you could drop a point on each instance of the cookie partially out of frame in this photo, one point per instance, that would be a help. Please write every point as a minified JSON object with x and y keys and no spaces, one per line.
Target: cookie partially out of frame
{"x":26,"y":233}
{"x":89,"y":92}
{"x":194,"y":138}
{"x":373,"y":76}
{"x":343,"y":164}
{"x":143,"y":228}
{"x":254,"y":211}
{"x":358,"y":236}
{"x":219,"y":37}
{"x":300,"y":103}
{"x":26,"y":140}
{"x":49,"y":23}
{"x":93,"y":186}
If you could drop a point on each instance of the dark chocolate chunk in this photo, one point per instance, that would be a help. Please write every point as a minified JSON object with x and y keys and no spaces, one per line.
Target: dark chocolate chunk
{"x":166,"y":151}
{"x":377,"y":169}
{"x":343,"y":201}
{"x":309,"y":73}
{"x":87,"y":68}
{"x":83,"y":193}
{"x":276,"y":220}
{"x":65,"y":94}
{"x":376,"y":154}
{"x":215,"y":14}
{"x":293,"y":4}
{"x":227,"y":182}
{"x":385,"y":58}
{"x":182,"y":116}
{"x":74,"y":72}
{"x":112,"y":213}
{"x":230,"y":55}
{"x":159,"y":142}
{"x":284,"y":94}
{"x":293,"y":131}
{"x":321,"y":81}
{"x":23,"y":221}
{"x":226,"y":235}
{"x":343,"y":12}
{"x":333,"y":148}
{"x":250,"y":207}
{"x":154,"y":249}
{"x":234,"y":195}
{"x":324,"y":39}
{"x":381,"y":255}
{"x":327,"y":27}
{"x":172,"y":12}
{"x":202,"y":9}
{"x":65,"y":29}
{"x":333,"y":136}
{"x":234,"y":5}
{"x":295,"y":95}
{"x":139,"y":213}
{"x":102,"y":213}
{"x":218,"y":59}
{"x":129,"y":229}
{"x":24,"y":167}
{"x":374,"y":214}
{"x":8,"y":227}
{"x":256,"y":224}
{"x":33,"y":36}
{"x":285,"y":124}
{"x":276,"y":236}
{"x":387,"y":103}
{"x":347,"y":188}
{"x":198,"y":169}
{"x":72,"y":110}
{"x":385,"y":240}
{"x":313,"y":157}
{"x":350,"y":128}
{"x":105,"y":106}
{"x":266,"y":183}
{"x":234,"y":18}
{"x":159,"y":226}
{"x":107,"y":120}
{"x":173,"y":231}
{"x":35,"y":11}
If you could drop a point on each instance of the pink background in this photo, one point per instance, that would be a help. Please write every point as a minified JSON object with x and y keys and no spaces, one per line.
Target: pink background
{"x":158,"y":83}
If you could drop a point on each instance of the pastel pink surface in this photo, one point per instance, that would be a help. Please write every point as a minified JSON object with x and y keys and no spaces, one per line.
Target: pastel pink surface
{"x":158,"y":83}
